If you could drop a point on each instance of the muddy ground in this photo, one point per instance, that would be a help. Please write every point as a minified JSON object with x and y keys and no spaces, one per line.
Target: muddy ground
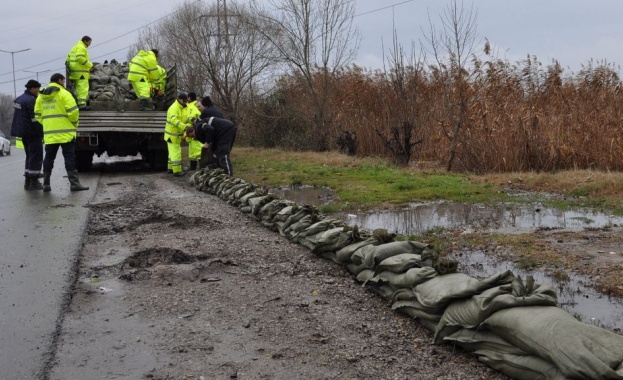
{"x":177,"y":284}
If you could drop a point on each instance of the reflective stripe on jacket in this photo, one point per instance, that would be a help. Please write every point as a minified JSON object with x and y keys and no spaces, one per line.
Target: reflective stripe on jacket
{"x":57,"y":111}
{"x":161,"y":79}
{"x":79,"y":64}
{"x":144,"y":65}
{"x":24,"y":122}
{"x":177,"y":121}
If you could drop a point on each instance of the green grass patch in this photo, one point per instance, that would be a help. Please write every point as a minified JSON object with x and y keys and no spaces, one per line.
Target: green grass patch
{"x":359,"y":183}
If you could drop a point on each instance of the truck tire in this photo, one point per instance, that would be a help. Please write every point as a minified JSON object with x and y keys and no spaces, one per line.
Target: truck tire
{"x":158,"y":159}
{"x":84,"y":160}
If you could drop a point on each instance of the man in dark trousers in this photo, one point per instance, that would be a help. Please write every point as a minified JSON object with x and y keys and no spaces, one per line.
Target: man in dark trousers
{"x":219,"y":134}
{"x":208,"y":110}
{"x":30,"y":131}
{"x":57,"y":111}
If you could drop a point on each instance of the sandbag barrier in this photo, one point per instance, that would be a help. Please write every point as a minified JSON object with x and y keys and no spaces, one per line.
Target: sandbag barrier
{"x":511,"y":324}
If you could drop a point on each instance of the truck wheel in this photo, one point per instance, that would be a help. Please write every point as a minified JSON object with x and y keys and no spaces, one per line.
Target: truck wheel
{"x":158,"y":159}
{"x":84,"y":160}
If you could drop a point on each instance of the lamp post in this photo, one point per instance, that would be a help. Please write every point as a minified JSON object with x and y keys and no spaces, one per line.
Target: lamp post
{"x":13,"y":63}
{"x":37,"y":73}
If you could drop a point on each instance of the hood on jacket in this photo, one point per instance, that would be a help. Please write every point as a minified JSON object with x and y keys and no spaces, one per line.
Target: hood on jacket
{"x":49,"y":92}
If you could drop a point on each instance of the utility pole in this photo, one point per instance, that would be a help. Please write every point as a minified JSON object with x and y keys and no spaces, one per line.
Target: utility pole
{"x":37,"y":72}
{"x":223,"y":27}
{"x":13,"y":62}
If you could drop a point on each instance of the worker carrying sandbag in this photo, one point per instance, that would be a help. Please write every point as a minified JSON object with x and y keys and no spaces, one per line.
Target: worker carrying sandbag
{"x":219,"y":134}
{"x":144,"y":73}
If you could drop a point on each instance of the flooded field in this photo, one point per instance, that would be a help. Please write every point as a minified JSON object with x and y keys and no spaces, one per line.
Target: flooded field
{"x":502,"y":218}
{"x":575,"y":293}
{"x":418,"y":217}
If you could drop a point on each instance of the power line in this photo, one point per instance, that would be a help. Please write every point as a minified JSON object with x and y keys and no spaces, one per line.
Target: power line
{"x":153,"y":22}
{"x":383,"y":8}
{"x":98,"y":44}
{"x":71,"y":16}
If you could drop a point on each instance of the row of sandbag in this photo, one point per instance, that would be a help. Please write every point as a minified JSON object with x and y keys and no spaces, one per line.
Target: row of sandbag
{"x":511,"y":324}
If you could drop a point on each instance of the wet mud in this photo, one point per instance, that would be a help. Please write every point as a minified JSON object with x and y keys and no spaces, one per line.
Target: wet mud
{"x":223,"y":297}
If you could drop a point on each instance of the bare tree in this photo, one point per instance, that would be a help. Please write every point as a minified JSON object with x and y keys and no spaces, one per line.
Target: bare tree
{"x":401,"y":126}
{"x":6,"y":113}
{"x":452,"y":47}
{"x":315,"y":38}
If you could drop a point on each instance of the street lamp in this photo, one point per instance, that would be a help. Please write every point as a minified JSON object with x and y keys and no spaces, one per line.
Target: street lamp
{"x":13,"y":62}
{"x":37,"y":72}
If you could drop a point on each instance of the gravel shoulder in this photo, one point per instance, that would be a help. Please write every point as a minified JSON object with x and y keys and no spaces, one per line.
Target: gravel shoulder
{"x":177,"y":284}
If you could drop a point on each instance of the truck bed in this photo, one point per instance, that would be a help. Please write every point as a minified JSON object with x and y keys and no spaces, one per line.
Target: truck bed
{"x":129,"y":121}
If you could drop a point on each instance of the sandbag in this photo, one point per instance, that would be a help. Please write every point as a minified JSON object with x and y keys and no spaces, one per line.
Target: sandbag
{"x":472,"y":340}
{"x":399,"y":263}
{"x":520,"y":367}
{"x":410,"y":278}
{"x":441,"y":290}
{"x":385,"y":251}
{"x":470,"y":313}
{"x":383,"y":290}
{"x":415,"y":310}
{"x":579,"y":350}
{"x":343,"y":255}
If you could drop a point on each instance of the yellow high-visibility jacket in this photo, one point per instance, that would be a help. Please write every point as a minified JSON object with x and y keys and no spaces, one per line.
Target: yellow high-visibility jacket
{"x":57,"y":111}
{"x":193,"y":111}
{"x":79,"y":63}
{"x":144,"y":65}
{"x":194,"y":146}
{"x":161,"y":79}
{"x":177,"y":121}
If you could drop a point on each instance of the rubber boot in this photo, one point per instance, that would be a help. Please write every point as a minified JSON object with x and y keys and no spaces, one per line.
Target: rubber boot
{"x":143,"y":105}
{"x":193,"y":165}
{"x":27,"y":183}
{"x":74,"y":182}
{"x":46,"y":181}
{"x":35,"y":184}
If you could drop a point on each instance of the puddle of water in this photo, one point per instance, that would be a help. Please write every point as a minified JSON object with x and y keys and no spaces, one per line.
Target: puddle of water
{"x":574,"y":293}
{"x":502,"y":218}
{"x":418,"y":217}
{"x":304,"y":195}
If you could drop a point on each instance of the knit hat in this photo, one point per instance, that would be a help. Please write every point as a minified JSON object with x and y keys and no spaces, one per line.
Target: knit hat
{"x":206,"y":101}
{"x":33,"y":83}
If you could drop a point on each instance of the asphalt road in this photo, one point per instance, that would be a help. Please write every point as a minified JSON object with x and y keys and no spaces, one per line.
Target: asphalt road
{"x":40,"y":238}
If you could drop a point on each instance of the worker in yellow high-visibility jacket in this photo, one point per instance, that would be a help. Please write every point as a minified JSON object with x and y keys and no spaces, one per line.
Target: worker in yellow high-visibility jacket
{"x":194,"y":145}
{"x":177,"y":121}
{"x":143,"y":73}
{"x":79,"y":70}
{"x":57,"y":111}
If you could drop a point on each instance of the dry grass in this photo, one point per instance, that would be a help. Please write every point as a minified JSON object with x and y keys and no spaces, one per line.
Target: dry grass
{"x":594,"y":183}
{"x":331,"y":159}
{"x":518,"y":117}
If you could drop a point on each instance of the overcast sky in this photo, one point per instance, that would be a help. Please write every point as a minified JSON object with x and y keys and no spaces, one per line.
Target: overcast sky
{"x":570,"y":31}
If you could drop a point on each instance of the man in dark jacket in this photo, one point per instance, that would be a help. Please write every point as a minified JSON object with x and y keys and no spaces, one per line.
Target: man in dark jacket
{"x":28,"y":129}
{"x":208,"y":110}
{"x":219,"y":134}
